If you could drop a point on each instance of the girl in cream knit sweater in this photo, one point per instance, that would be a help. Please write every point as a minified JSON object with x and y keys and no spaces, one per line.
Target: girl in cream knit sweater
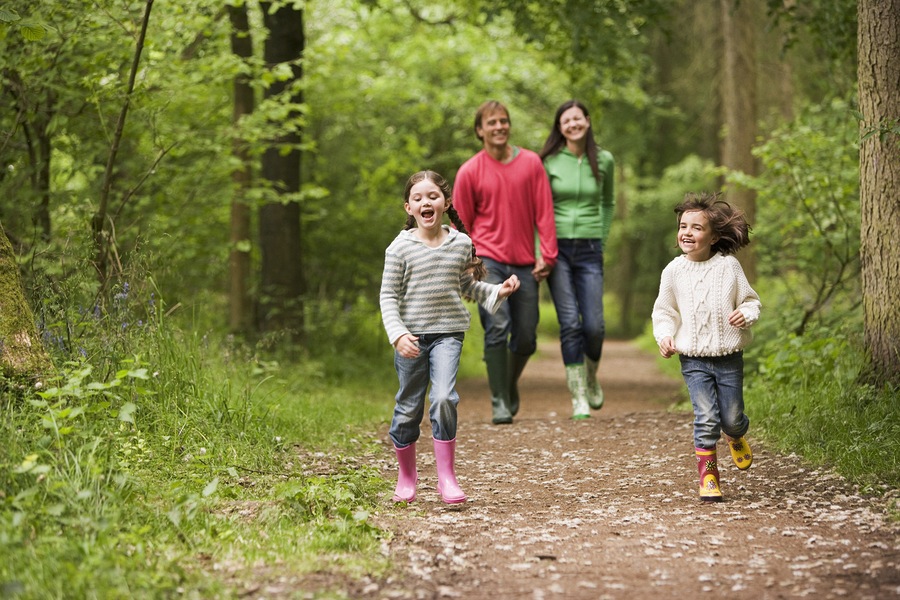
{"x":703,"y":313}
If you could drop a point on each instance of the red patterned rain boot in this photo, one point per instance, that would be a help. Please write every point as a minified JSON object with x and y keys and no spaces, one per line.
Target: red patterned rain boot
{"x":408,"y":476}
{"x":709,"y":475}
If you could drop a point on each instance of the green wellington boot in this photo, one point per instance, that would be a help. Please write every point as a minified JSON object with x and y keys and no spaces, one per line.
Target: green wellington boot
{"x":516,"y":365}
{"x":575,"y":379}
{"x":594,"y":391}
{"x":498,"y":380}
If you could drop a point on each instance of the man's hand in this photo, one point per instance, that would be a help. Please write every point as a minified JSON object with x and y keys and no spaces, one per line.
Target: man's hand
{"x":540,"y":271}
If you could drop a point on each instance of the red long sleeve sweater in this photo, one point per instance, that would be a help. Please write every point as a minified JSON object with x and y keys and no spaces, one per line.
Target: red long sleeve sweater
{"x":502,"y":204}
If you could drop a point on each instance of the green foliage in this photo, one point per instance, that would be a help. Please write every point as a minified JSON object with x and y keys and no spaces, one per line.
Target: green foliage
{"x":807,"y":398}
{"x":390,"y":94}
{"x":808,"y":228}
{"x":149,"y":436}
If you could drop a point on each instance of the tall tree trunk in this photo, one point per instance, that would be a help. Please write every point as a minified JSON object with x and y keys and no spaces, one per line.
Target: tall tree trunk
{"x":739,"y":106}
{"x":240,"y":313}
{"x":786,"y":75}
{"x":879,"y":181}
{"x":279,"y":222}
{"x":21,"y":352}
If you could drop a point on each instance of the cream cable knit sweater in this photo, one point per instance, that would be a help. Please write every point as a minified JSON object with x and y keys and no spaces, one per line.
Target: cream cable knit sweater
{"x":695,"y":299}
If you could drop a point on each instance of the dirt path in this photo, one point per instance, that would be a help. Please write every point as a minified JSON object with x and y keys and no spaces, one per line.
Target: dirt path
{"x":608,"y":508}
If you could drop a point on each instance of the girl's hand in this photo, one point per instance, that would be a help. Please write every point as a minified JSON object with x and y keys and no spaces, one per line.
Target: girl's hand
{"x":509,"y":286}
{"x":667,"y":347}
{"x":406,"y":345}
{"x":737,"y":319}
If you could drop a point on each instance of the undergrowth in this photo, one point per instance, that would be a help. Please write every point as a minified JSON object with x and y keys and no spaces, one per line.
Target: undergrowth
{"x":157,"y":453}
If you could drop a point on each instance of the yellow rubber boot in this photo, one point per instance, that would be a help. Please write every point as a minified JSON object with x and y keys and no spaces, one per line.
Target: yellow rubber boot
{"x":740,"y":452}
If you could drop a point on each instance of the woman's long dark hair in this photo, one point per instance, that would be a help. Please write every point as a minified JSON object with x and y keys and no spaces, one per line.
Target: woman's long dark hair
{"x":556,"y":140}
{"x":475,"y":265}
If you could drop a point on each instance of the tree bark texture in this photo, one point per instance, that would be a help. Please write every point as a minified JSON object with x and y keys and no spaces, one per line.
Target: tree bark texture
{"x":739,"y":105}
{"x":240,"y":317}
{"x":879,"y":181}
{"x":21,"y":352}
{"x":282,"y":283}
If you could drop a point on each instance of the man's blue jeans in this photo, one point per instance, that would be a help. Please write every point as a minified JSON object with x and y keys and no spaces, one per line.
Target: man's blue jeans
{"x":716,"y":385}
{"x":437,"y":364}
{"x":514,"y":325}
{"x":576,"y":284}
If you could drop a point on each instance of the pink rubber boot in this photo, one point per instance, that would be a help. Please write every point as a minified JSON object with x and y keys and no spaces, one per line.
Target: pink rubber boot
{"x":448,"y":487}
{"x":408,"y":476}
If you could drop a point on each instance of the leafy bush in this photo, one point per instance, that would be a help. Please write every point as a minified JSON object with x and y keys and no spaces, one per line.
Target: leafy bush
{"x":120,"y":474}
{"x":807,"y":398}
{"x":808,"y":228}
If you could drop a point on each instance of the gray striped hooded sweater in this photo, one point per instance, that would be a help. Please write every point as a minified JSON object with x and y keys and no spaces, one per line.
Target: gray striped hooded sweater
{"x":422,"y":288}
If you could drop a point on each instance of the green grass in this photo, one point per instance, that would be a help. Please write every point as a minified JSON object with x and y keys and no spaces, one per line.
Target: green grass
{"x":132,"y":475}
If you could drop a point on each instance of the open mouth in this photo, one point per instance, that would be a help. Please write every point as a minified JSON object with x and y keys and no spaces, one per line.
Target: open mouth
{"x":427,"y":213}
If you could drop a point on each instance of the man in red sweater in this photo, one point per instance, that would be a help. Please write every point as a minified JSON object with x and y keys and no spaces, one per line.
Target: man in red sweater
{"x":503,"y":196}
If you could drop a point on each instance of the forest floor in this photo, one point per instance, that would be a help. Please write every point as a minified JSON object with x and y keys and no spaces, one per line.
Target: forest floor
{"x":607,"y":507}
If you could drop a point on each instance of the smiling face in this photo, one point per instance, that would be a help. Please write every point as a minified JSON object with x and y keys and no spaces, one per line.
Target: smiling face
{"x":494,"y":128}
{"x":426,"y":204}
{"x":573,"y":124}
{"x":695,"y":238}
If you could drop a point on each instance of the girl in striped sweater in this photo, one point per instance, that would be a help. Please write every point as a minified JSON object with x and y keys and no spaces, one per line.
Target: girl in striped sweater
{"x":428,"y":269}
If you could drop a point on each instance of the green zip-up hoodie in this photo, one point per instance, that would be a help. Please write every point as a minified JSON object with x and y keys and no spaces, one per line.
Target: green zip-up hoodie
{"x":583,"y":208}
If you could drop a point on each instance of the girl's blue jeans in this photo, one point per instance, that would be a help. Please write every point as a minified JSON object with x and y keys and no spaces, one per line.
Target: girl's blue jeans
{"x":576,"y":284}
{"x":437,"y":364}
{"x":514,"y":325}
{"x":716,"y":385}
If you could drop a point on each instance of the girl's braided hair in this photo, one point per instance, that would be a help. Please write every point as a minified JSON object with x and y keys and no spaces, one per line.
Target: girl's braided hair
{"x":725,"y":221}
{"x":475,"y":266}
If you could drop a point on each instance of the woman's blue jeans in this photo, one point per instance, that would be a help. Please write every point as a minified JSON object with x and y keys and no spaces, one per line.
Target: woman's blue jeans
{"x":576,"y":285}
{"x":514,"y":325}
{"x":716,"y":385}
{"x":437,"y":364}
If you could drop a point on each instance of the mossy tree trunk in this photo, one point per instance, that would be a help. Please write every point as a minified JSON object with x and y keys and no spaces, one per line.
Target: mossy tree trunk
{"x":21,"y":352}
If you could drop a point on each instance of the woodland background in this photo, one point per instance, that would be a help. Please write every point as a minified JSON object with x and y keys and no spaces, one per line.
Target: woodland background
{"x":198,"y":196}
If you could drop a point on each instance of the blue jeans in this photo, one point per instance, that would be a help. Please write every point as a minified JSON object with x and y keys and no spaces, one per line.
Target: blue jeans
{"x":576,"y":284}
{"x":716,"y":385}
{"x":514,"y":325}
{"x":437,"y":364}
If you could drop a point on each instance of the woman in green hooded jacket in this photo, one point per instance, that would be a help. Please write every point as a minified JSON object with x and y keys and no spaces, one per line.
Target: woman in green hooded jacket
{"x":582,"y":180}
